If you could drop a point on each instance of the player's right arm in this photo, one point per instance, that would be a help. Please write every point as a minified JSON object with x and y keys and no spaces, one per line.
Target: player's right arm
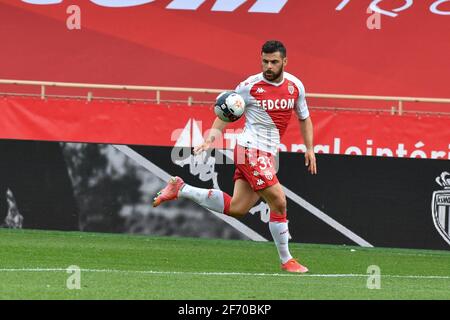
{"x":219,"y":125}
{"x":214,"y":133}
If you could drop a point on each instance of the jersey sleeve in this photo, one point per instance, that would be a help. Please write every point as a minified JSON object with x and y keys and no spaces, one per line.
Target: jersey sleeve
{"x":301,"y":107}
{"x":239,"y":88}
{"x":243,"y":89}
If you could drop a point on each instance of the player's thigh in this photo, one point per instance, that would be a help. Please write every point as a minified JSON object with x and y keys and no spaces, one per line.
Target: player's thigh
{"x":274,"y":197}
{"x":244,"y":198}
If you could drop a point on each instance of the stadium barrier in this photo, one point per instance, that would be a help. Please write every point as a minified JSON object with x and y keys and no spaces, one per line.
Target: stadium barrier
{"x":397,"y":108}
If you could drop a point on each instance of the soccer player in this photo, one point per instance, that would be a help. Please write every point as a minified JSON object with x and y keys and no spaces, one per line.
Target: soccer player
{"x":270,"y":97}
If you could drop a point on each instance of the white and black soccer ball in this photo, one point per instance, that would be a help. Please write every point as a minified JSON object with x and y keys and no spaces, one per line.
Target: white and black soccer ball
{"x":229,"y":106}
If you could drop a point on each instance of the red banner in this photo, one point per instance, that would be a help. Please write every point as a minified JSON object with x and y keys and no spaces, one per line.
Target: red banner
{"x":387,"y":47}
{"x":161,"y":125}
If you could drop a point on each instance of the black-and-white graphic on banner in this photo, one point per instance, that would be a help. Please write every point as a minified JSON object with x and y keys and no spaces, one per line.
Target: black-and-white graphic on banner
{"x":440,"y":206}
{"x":203,"y":164}
{"x":92,"y":187}
{"x":109,"y":188}
{"x":36,"y":191}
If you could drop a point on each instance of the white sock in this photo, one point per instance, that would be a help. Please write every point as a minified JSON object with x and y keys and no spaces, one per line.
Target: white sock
{"x":209,"y":198}
{"x":280,"y":235}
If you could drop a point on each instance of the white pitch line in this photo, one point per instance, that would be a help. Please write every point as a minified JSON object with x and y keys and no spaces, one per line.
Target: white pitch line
{"x":226,"y":274}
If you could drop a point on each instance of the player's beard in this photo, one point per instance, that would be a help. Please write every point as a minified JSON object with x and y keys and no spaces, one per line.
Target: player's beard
{"x":271,"y":76}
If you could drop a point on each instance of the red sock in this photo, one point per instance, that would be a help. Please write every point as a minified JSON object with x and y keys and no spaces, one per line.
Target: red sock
{"x":276,"y":217}
{"x":226,"y":203}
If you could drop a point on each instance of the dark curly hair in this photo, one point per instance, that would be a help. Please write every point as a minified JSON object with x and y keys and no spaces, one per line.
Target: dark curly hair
{"x":272,"y":46}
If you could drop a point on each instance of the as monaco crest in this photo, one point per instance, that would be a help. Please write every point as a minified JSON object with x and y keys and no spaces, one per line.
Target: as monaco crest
{"x":440,"y":206}
{"x":291,"y":89}
{"x":268,"y":175}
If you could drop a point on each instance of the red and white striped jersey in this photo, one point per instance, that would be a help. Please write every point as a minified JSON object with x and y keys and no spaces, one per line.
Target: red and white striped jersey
{"x":268,"y":110}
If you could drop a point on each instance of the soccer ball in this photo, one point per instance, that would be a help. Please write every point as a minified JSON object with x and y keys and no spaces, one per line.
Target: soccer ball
{"x":229,"y":106}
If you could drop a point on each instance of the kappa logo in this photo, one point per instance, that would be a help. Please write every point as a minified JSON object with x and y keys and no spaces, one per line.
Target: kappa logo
{"x":440,"y":206}
{"x":255,"y":173}
{"x":259,"y":6}
{"x":260,"y":90}
{"x":260,"y":182}
{"x":263,"y":210}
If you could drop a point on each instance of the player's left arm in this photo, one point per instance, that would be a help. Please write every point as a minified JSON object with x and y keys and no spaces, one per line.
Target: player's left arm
{"x":306,"y":127}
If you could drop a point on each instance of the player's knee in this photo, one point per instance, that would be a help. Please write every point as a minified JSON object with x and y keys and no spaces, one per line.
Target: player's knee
{"x":279,"y":204}
{"x":237,"y":210}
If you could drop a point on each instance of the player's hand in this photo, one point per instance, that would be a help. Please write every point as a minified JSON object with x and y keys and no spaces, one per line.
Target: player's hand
{"x":203,"y":147}
{"x":310,"y":161}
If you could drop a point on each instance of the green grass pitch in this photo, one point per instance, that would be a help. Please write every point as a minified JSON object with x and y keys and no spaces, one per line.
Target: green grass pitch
{"x":114,"y":266}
